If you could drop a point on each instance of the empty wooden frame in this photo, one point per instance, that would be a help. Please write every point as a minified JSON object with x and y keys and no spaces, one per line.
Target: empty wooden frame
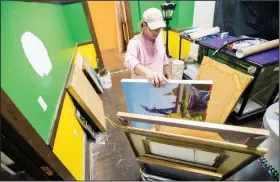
{"x":212,"y":159}
{"x":83,"y":92}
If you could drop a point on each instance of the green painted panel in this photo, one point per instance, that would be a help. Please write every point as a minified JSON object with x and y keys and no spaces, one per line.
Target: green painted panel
{"x":77,"y":21}
{"x":18,"y":78}
{"x":137,"y":10}
{"x":175,"y":17}
{"x":186,"y":11}
{"x":135,"y":16}
{"x":144,"y":5}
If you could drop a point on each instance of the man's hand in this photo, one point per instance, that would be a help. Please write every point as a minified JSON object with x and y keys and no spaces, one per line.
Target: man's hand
{"x":157,"y":79}
{"x":166,"y":71}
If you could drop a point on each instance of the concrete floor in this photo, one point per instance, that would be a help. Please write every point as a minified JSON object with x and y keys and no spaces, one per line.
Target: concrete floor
{"x":112,"y":59}
{"x":113,"y":158}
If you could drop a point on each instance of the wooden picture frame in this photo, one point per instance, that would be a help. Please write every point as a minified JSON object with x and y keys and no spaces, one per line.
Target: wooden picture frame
{"x":233,"y":156}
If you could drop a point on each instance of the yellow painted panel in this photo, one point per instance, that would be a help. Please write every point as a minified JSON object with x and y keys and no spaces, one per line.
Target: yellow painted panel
{"x":88,"y":52}
{"x":69,"y":141}
{"x":103,"y":15}
{"x":174,"y":43}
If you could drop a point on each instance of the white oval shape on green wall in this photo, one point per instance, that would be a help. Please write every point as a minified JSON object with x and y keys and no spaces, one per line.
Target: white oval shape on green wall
{"x":36,"y":53}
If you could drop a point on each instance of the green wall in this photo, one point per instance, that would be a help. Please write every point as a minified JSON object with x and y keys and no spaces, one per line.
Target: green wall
{"x":182,"y":17}
{"x":59,"y":27}
{"x":77,"y":21}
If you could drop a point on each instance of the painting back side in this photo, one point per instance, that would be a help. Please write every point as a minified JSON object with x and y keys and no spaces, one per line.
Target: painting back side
{"x":229,"y":84}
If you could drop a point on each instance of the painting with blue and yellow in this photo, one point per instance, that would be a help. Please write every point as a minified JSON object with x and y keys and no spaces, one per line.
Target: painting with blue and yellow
{"x":181,"y":99}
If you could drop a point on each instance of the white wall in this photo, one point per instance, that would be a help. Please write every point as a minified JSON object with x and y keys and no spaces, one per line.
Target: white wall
{"x":203,"y":17}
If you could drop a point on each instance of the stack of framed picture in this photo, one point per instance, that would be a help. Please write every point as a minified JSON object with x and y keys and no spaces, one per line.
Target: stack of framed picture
{"x":169,"y":152}
{"x":169,"y":133}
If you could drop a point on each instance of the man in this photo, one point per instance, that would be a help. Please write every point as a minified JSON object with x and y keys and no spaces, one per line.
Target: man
{"x":146,"y":56}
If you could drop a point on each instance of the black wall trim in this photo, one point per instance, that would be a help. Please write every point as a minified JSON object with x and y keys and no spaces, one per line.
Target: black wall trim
{"x":61,"y":2}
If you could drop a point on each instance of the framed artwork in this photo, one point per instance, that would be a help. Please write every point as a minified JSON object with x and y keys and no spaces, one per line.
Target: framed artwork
{"x":184,"y":99}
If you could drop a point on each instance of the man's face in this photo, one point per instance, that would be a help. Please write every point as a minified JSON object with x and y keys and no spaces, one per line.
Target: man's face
{"x":151,"y":34}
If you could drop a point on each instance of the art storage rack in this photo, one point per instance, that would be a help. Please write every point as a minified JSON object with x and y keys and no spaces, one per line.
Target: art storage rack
{"x":264,"y":67}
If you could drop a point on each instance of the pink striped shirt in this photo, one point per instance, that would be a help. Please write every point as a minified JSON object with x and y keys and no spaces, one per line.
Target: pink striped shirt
{"x":141,"y":50}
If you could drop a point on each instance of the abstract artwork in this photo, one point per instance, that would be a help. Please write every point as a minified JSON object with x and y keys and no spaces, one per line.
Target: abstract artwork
{"x":183,"y":99}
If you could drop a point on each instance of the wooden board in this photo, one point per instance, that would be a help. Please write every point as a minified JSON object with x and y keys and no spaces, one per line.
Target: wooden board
{"x":194,"y":128}
{"x":69,"y":141}
{"x":83,"y":92}
{"x":196,"y":141}
{"x":228,"y":85}
{"x":190,"y":132}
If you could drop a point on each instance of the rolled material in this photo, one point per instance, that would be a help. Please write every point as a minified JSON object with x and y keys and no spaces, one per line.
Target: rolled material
{"x":203,"y":33}
{"x":240,"y":53}
{"x":177,"y":70}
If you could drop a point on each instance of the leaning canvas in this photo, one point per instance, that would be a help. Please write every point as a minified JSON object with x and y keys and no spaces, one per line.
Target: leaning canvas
{"x":229,"y":84}
{"x":93,"y":76}
{"x":184,"y":99}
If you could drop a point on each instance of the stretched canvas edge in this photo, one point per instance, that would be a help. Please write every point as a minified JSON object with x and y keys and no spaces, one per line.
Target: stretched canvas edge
{"x":206,"y":82}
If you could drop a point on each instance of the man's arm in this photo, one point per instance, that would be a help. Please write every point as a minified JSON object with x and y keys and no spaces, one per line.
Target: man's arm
{"x":135,"y":67}
{"x":141,"y":70}
{"x":130,"y":59}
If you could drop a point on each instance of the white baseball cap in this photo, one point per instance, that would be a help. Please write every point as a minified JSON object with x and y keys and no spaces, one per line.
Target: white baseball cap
{"x":153,"y":18}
